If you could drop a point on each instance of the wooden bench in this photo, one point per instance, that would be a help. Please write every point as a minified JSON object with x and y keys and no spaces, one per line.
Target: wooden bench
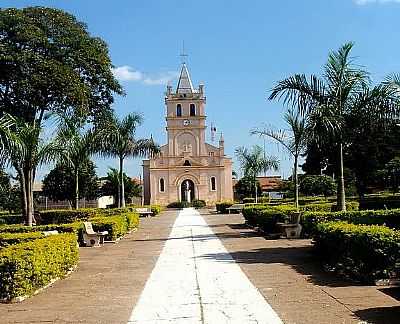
{"x":291,"y":229}
{"x":92,"y":238}
{"x":144,"y":212}
{"x":235,"y":207}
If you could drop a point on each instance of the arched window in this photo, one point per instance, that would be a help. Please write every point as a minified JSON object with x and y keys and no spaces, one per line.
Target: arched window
{"x":178,"y":110}
{"x":192,"y":110}
{"x":162,"y":185}
{"x":187,"y":163}
{"x":213,"y":182}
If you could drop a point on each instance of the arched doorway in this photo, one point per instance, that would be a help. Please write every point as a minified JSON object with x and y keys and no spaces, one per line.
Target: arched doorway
{"x":187,"y":190}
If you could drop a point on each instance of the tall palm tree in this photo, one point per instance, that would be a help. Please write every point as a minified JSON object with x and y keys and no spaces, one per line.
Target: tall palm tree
{"x":77,"y":147}
{"x":25,"y":150}
{"x":343,"y":88}
{"x":119,"y":141}
{"x":295,"y":141}
{"x":253,"y":162}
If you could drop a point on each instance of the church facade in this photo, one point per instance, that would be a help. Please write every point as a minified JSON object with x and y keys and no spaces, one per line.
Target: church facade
{"x":187,"y":168}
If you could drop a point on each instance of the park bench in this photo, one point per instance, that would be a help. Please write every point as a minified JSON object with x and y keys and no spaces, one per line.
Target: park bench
{"x":235,"y":207}
{"x":92,"y":238}
{"x":144,"y":211}
{"x":291,"y":229}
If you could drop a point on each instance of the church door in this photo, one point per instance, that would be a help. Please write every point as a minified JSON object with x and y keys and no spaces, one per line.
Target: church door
{"x":187,"y":191}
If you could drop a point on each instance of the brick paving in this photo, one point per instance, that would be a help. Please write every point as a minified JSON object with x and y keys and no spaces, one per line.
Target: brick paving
{"x":109,"y":280}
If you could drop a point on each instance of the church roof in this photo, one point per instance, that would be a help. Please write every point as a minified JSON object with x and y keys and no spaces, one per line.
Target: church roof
{"x":185,"y":83}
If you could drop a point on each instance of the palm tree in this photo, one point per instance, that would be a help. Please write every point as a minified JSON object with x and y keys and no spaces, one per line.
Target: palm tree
{"x":119,"y":141}
{"x":25,"y":150}
{"x":343,"y":89}
{"x":253,"y":162}
{"x":77,"y":147}
{"x":295,"y":141}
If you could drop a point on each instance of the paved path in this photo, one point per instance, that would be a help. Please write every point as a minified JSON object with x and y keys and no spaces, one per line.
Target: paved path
{"x":186,"y":286}
{"x":110,"y":280}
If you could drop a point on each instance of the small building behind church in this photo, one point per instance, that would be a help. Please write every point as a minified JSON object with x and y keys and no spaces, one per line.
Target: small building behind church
{"x":187,"y":168}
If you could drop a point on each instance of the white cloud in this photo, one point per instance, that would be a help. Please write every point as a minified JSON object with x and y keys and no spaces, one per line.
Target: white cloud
{"x":127,"y":73}
{"x":161,"y":79}
{"x":365,"y":2}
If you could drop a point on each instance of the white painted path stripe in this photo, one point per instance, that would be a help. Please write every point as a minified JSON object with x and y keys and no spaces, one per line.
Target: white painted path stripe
{"x":195,"y":280}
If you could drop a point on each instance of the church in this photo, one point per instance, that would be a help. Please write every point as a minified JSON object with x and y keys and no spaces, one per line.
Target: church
{"x":187,"y":168}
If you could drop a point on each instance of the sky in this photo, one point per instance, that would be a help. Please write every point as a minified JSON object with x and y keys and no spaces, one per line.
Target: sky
{"x":239,"y":49}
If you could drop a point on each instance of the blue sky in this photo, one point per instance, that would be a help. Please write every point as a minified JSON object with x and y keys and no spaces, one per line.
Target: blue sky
{"x":239,"y":49}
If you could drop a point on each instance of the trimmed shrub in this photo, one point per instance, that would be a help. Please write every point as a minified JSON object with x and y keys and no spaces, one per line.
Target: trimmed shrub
{"x":328,"y":207}
{"x":264,"y":217}
{"x":156,"y":209}
{"x":178,"y":204}
{"x":7,"y":239}
{"x":66,"y":216}
{"x":7,"y":219}
{"x":62,"y":228}
{"x":132,"y":220}
{"x":390,"y":218}
{"x":223,"y":205}
{"x":380,"y":202}
{"x":116,"y":226}
{"x":26,"y":267}
{"x":198,"y":203}
{"x":364,"y":252}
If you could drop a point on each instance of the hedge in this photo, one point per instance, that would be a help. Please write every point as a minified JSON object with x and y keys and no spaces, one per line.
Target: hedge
{"x":223,"y":205}
{"x":7,"y":239}
{"x":380,"y":202}
{"x":390,"y":218}
{"x":62,"y":216}
{"x":116,"y":226}
{"x":266,"y":217}
{"x":26,"y":267}
{"x":328,"y":207}
{"x":7,"y":219}
{"x":63,"y":228}
{"x":363,"y":252}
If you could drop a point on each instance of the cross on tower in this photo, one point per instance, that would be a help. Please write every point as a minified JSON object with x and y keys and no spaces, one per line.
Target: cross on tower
{"x":183,"y":55}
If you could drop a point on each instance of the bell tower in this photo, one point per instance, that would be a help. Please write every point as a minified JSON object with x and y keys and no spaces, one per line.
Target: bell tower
{"x":186,"y":120}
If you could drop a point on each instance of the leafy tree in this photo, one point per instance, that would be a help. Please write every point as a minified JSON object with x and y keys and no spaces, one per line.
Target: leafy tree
{"x":25,"y":151}
{"x":245,"y":187}
{"x":76,"y":150}
{"x":294,"y":141}
{"x":10,"y":194}
{"x":253,"y":162}
{"x":49,"y":64}
{"x":343,"y":90}
{"x":111,"y":186}
{"x":119,"y":141}
{"x":60,"y":183}
{"x":391,"y":172}
{"x":315,"y":185}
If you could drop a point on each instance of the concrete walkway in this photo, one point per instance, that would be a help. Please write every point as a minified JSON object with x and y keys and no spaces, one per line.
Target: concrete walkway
{"x":188,"y":287}
{"x":110,"y":281}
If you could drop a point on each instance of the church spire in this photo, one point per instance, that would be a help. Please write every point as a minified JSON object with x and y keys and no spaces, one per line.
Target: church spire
{"x":185,"y":83}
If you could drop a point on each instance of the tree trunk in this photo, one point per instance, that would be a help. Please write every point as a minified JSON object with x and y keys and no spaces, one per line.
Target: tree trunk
{"x":296,"y":182}
{"x":76,"y":188}
{"x":28,"y":183}
{"x":255,"y":187}
{"x":121,"y":182}
{"x":24,"y":207}
{"x":341,"y":197}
